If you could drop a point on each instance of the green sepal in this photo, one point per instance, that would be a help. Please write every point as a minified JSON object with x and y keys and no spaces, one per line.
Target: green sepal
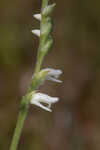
{"x":48,"y":45}
{"x":48,"y":10}
{"x":46,"y":26}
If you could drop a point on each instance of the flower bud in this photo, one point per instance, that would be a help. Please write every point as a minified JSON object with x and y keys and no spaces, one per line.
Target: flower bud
{"x":36,"y":32}
{"x":37,"y":16}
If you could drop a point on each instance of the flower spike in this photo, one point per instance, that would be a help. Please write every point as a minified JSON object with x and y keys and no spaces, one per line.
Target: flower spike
{"x":32,"y":96}
{"x":39,"y":98}
{"x":36,"y":32}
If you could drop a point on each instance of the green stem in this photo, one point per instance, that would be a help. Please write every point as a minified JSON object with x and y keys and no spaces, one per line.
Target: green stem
{"x":18,"y":129}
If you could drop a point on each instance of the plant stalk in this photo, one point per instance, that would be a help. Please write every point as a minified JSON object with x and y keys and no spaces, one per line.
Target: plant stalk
{"x":18,"y":129}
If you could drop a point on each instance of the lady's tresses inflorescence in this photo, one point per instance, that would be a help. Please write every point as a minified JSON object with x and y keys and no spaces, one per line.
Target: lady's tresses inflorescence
{"x":32,"y":96}
{"x":46,"y":42}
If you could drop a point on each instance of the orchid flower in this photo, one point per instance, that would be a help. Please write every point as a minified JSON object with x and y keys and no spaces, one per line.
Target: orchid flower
{"x":53,"y":74}
{"x":39,"y":99}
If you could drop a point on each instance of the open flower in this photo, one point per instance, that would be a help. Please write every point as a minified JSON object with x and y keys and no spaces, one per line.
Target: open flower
{"x":53,"y":74}
{"x":39,"y":99}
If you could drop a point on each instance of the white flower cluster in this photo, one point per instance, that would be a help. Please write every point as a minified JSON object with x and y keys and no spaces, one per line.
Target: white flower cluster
{"x":39,"y":99}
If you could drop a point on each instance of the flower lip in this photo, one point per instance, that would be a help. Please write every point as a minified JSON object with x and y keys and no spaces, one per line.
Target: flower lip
{"x":39,"y":99}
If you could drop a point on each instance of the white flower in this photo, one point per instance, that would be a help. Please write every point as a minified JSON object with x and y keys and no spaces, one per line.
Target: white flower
{"x":39,"y":98}
{"x":36,"y":32}
{"x":37,"y":16}
{"x":53,"y":74}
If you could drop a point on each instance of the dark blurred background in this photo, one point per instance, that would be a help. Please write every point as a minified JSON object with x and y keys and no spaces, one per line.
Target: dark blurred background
{"x":74,"y":123}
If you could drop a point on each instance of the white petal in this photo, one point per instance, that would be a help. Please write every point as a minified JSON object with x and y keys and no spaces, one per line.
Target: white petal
{"x":41,"y":106}
{"x":45,"y":98}
{"x":53,"y":72}
{"x":36,"y":32}
{"x":55,"y":80}
{"x":37,"y":16}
